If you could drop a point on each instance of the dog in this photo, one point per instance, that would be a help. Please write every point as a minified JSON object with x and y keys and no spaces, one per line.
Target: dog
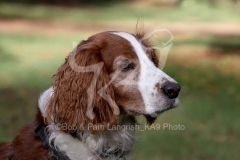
{"x":104,"y":83}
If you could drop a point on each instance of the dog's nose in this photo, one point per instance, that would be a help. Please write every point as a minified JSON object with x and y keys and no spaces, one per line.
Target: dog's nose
{"x":171,"y":89}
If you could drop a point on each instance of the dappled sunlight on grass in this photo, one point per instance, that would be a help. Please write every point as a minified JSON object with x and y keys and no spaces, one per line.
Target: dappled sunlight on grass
{"x":222,"y":54}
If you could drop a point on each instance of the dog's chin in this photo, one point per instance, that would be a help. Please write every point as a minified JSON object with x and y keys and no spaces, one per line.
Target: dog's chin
{"x":169,"y":105}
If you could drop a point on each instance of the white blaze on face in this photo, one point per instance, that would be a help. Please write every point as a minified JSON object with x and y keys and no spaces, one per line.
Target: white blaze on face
{"x":150,"y":75}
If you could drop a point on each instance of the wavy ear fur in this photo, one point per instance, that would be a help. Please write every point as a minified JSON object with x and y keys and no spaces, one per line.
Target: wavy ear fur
{"x":69,"y":104}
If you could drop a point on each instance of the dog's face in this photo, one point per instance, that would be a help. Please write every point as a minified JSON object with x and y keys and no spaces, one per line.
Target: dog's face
{"x":140,"y":87}
{"x":109,"y":74}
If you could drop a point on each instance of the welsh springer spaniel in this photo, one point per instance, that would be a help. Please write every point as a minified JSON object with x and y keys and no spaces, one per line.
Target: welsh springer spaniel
{"x":89,"y":111}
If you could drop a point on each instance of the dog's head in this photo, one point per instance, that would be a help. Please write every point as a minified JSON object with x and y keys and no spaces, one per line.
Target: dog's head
{"x":110,"y":74}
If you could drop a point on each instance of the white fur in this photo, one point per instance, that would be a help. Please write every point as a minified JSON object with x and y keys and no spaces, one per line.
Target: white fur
{"x":150,"y":75}
{"x":43,"y":100}
{"x":91,"y":145}
{"x":72,"y":147}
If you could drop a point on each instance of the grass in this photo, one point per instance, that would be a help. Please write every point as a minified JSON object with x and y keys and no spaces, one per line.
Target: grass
{"x":206,"y":66}
{"x":208,"y":110}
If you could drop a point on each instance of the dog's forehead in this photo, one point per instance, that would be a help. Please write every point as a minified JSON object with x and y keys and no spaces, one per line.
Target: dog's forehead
{"x":137,"y":45}
{"x":130,"y":39}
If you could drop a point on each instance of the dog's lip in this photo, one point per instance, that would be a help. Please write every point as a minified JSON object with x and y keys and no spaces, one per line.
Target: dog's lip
{"x":173,"y":104}
{"x":157,"y":113}
{"x":165,"y":109}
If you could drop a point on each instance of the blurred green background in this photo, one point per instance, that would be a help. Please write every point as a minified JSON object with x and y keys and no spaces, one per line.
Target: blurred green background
{"x":36,"y":36}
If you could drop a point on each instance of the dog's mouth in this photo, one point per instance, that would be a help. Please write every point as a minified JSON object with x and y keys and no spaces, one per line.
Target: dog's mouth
{"x":172,"y":104}
{"x":165,"y":109}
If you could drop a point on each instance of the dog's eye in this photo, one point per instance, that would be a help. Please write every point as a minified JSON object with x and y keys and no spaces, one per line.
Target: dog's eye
{"x":126,"y":65}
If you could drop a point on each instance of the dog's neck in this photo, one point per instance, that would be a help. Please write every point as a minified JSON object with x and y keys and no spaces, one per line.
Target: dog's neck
{"x":112,"y":144}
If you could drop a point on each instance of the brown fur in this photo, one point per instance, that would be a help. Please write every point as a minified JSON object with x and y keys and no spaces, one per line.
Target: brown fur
{"x":25,"y":146}
{"x":5,"y":148}
{"x":69,"y":102}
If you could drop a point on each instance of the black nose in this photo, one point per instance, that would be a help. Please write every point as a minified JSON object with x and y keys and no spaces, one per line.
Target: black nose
{"x":171,"y":89}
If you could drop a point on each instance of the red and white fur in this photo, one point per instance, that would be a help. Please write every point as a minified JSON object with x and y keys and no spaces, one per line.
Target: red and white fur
{"x":133,"y":85}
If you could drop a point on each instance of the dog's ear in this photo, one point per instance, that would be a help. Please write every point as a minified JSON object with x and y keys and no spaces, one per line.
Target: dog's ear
{"x":82,"y":94}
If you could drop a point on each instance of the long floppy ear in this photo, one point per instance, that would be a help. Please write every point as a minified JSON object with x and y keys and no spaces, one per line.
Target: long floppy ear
{"x":82,"y":96}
